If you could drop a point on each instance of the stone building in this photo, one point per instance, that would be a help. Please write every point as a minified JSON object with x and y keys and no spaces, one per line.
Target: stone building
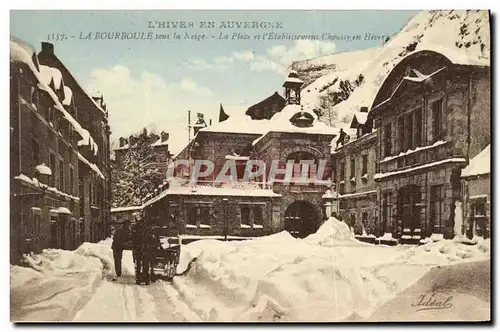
{"x":51,"y":152}
{"x":355,"y":164}
{"x":476,"y":180}
{"x":269,"y":131}
{"x":93,"y":149}
{"x":432,"y":114}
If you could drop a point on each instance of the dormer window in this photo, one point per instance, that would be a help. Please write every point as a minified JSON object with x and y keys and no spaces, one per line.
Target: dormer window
{"x":302,"y":120}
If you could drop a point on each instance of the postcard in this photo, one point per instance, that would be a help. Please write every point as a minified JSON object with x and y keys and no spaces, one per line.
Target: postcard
{"x":250,"y":166}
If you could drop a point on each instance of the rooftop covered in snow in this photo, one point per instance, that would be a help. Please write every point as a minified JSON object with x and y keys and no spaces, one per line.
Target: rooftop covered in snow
{"x":212,"y":191}
{"x":479,"y":165}
{"x":280,"y":123}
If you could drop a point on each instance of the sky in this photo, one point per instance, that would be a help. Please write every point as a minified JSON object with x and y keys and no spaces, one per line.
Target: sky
{"x":153,"y":83}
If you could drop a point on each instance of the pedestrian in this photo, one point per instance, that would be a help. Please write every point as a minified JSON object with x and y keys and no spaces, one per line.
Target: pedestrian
{"x":151,"y":244}
{"x":138,"y":246}
{"x":120,"y":239}
{"x":342,"y":137}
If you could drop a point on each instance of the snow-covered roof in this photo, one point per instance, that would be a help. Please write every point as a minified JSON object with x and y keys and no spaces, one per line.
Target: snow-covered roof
{"x":438,"y":31}
{"x":294,"y":80}
{"x":43,"y":169}
{"x":212,"y":191}
{"x":91,"y":165}
{"x":49,"y":74}
{"x":419,"y":78}
{"x":21,"y":53}
{"x":360,"y":117}
{"x":126,"y":208}
{"x":417,"y":168}
{"x":280,"y":122}
{"x":238,"y":123}
{"x":159,"y":142}
{"x":68,"y":95}
{"x":479,"y":165}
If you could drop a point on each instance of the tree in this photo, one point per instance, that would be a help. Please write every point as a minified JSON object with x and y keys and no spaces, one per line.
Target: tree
{"x":137,"y":175}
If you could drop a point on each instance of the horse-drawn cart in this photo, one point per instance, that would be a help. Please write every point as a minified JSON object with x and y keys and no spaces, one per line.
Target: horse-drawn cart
{"x":165,"y":262}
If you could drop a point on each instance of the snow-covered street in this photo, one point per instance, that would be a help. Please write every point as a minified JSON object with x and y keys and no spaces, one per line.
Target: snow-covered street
{"x":123,"y":300}
{"x":329,"y":276}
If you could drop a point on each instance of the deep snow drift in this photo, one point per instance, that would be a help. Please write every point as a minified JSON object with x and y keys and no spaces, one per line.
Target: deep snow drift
{"x":329,"y":276}
{"x":53,"y":285}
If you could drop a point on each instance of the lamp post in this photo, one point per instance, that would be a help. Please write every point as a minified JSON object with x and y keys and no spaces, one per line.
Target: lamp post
{"x":224,"y":214}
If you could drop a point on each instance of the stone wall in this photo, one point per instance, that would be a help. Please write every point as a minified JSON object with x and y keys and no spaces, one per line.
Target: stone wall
{"x":223,"y":216}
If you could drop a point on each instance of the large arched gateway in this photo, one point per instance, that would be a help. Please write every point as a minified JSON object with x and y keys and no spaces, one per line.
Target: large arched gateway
{"x":301,"y":219}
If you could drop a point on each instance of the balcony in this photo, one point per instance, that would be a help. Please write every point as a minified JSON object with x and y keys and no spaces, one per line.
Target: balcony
{"x":415,"y":157}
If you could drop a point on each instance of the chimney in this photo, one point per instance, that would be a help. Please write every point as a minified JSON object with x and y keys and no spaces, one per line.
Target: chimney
{"x":363,"y":109}
{"x":47,"y":48}
{"x":164,"y":136}
{"x":122,"y":141}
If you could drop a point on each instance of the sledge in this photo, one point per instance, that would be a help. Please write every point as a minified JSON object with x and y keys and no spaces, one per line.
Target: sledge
{"x":165,"y":262}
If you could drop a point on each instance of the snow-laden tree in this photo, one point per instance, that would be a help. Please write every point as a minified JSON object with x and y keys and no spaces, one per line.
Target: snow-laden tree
{"x":137,"y":174}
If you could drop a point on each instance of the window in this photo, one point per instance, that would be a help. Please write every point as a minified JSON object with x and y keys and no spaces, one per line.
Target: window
{"x":352,"y":218}
{"x":61,"y":175}
{"x":401,"y":132}
{"x":479,"y":218}
{"x":353,"y":168}
{"x":417,"y":140}
{"x":204,"y":213}
{"x":387,"y":140}
{"x":409,"y":130}
{"x":364,"y":218}
{"x":437,"y":208}
{"x":257,"y":215}
{"x":192,"y":219}
{"x":71,"y":184}
{"x":365,"y":164}
{"x":437,"y":120}
{"x":245,"y":215}
{"x":52,"y":166}
{"x":198,"y":215}
{"x":342,"y":171}
{"x":51,"y":114}
{"x":35,"y":152}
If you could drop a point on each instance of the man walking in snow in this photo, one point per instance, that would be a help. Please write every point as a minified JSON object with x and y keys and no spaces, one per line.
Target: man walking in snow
{"x":138,"y":247}
{"x":120,"y":239}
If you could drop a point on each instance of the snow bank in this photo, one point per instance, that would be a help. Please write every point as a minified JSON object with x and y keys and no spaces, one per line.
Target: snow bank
{"x":332,"y":232}
{"x":445,"y":252}
{"x":53,"y":285}
{"x":328,"y":276}
{"x":281,"y":278}
{"x":463,"y":291}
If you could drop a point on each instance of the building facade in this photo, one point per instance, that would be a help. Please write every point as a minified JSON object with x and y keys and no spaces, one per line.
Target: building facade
{"x":476,"y":181}
{"x":355,"y":164}
{"x":276,"y":130}
{"x":48,"y":144}
{"x":430,"y":116}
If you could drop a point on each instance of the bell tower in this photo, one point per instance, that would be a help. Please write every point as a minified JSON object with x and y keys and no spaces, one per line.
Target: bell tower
{"x":292,"y":87}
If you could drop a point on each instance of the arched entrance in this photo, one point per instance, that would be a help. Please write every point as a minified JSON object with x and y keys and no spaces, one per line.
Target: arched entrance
{"x":301,"y":219}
